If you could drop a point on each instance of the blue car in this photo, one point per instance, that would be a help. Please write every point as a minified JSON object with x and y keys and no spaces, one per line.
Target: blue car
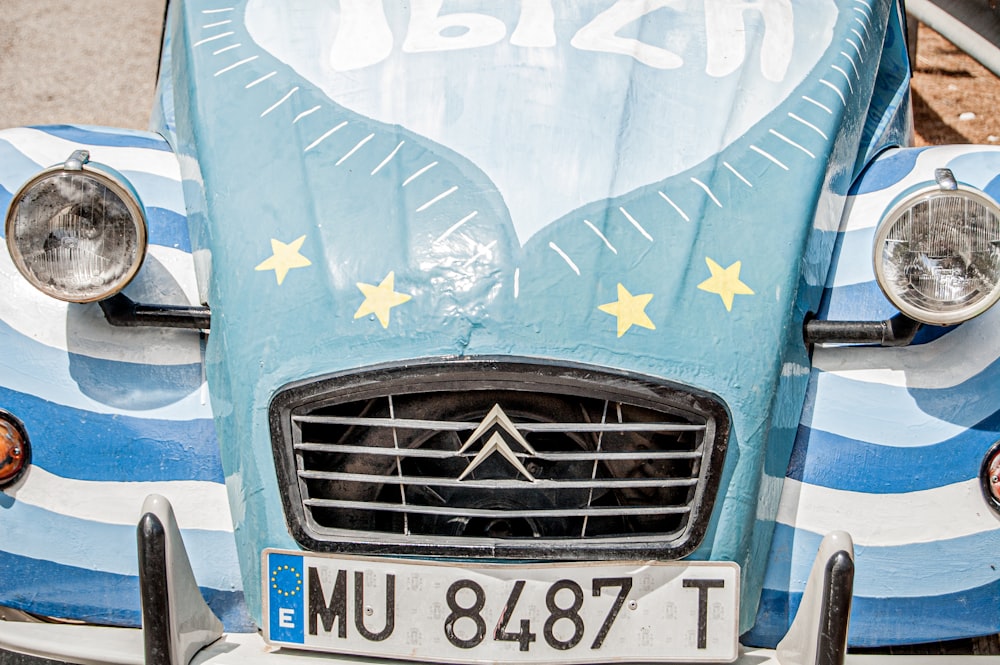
{"x":545,"y":332}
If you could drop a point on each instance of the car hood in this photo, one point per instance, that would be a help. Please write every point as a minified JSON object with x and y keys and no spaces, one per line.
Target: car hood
{"x":646,"y":189}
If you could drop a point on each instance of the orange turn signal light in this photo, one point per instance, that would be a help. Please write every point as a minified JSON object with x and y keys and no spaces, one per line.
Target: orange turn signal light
{"x":14,"y":449}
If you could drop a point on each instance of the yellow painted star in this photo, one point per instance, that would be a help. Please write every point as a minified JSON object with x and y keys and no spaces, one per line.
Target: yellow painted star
{"x":725,"y":282}
{"x":630,"y":310}
{"x":380,"y":299}
{"x":284,"y":257}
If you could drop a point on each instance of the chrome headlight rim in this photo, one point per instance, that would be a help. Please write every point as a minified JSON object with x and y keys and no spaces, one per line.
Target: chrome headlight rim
{"x":79,"y":165}
{"x":889,"y":219}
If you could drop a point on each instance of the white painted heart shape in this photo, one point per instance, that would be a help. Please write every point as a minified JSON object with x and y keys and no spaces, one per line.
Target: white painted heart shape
{"x":559,"y":102}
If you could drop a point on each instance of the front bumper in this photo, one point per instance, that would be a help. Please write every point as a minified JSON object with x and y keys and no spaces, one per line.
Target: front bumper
{"x":180,"y":629}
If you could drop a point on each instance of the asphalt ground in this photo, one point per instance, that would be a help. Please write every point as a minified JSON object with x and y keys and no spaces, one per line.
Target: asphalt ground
{"x":66,"y":61}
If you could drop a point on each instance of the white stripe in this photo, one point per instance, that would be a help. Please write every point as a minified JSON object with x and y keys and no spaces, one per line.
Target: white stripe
{"x":442,"y":195}
{"x":707,"y":191}
{"x":847,"y":76}
{"x":792,"y":143}
{"x":456,"y":226}
{"x":861,"y":57}
{"x":857,"y":410}
{"x":863,"y":25}
{"x":835,"y":89}
{"x":735,"y":173}
{"x":388,"y":158}
{"x":600,"y":235}
{"x":47,"y":320}
{"x":260,"y":80}
{"x":355,"y":149}
{"x":820,"y":105}
{"x":419,"y":173}
{"x":554,"y":247}
{"x":46,"y":149}
{"x":517,"y":282}
{"x":888,"y":520}
{"x":860,"y":37}
{"x":197,"y":504}
{"x":636,"y":224}
{"x":212,"y":38}
{"x":675,"y":206}
{"x":235,"y":65}
{"x":324,"y":136}
{"x":226,"y":48}
{"x":306,"y":113}
{"x":216,"y":11}
{"x":807,"y":124}
{"x":216,"y":24}
{"x":851,"y":60}
{"x":280,"y":101}
{"x":768,"y":156}
{"x":943,"y":363}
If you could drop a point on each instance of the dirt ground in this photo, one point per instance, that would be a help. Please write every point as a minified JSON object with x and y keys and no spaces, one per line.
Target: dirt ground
{"x":955,"y":99}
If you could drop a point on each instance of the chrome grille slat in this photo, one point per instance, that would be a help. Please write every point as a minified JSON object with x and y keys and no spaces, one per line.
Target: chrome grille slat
{"x":445,"y":426}
{"x":479,"y":512}
{"x":512,"y":460}
{"x":447,"y":454}
{"x":495,"y":484}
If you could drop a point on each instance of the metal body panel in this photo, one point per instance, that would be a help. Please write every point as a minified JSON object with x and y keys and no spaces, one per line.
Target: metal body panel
{"x":113,"y":414}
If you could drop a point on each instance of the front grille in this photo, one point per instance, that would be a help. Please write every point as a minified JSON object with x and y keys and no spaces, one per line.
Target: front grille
{"x":498,"y":460}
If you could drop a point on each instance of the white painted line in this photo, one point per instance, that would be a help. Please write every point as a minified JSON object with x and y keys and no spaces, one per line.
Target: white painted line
{"x":260,"y":80}
{"x":865,"y":14}
{"x":306,"y":113}
{"x":854,"y":66}
{"x":355,"y":148}
{"x":808,"y":124}
{"x":236,"y":64}
{"x":768,"y":155}
{"x":863,"y":25}
{"x":389,"y":158}
{"x":819,"y":104}
{"x":324,"y":137}
{"x":226,"y":48}
{"x":857,"y":50}
{"x":517,"y":282}
{"x":480,"y":252}
{"x":419,"y":173}
{"x":212,"y":38}
{"x":737,"y":174}
{"x":600,"y":235}
{"x":216,"y":11}
{"x":444,"y":194}
{"x":846,"y":76}
{"x":860,"y":37}
{"x":280,"y":101}
{"x":835,"y":89}
{"x":216,"y":25}
{"x":456,"y":226}
{"x":554,"y":247}
{"x":636,"y":224}
{"x":675,"y":206}
{"x":707,"y":191}
{"x":792,"y":143}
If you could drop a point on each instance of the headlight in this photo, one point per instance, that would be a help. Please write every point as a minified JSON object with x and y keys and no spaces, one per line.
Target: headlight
{"x":937,"y":253}
{"x":76,"y":231}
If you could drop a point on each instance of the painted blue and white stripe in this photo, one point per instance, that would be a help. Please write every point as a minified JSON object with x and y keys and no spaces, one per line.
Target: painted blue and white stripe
{"x":890,"y":445}
{"x":113,"y":414}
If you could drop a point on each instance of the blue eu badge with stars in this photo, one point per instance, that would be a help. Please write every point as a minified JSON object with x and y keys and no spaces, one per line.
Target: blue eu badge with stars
{"x":285,"y":583}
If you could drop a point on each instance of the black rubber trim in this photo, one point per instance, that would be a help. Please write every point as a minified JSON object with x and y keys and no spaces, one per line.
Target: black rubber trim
{"x":838,"y":590}
{"x":897,"y":331}
{"x":153,"y":590}
{"x":122,"y":311}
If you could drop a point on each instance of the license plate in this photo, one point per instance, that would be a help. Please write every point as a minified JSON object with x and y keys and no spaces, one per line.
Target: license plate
{"x":498,"y":613}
